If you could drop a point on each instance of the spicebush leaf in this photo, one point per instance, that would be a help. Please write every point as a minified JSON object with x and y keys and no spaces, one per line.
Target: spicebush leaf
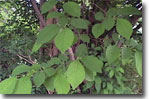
{"x":98,"y":30}
{"x":39,"y":78}
{"x":79,"y":23}
{"x":89,"y":75}
{"x":61,"y":84}
{"x":124,"y":28}
{"x":85,"y":38}
{"x":92,"y":63}
{"x":54,"y":15}
{"x":126,"y":55}
{"x":23,"y":86}
{"x":48,"y":5}
{"x":138,"y":62}
{"x":108,"y":23}
{"x":49,"y":83}
{"x":7,"y":86}
{"x":49,"y":71}
{"x":64,"y":39}
{"x":72,"y":8}
{"x":21,"y":69}
{"x":112,"y":53}
{"x":99,"y":16}
{"x":81,"y":50}
{"x":75,"y":74}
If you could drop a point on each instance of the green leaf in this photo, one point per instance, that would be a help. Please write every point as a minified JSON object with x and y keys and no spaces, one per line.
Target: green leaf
{"x":112,"y":53}
{"x":63,"y":20}
{"x":98,"y":30}
{"x":138,"y":62}
{"x":54,"y":15}
{"x":81,"y":50}
{"x":92,"y":63}
{"x":124,"y":28}
{"x":21,"y":69}
{"x":49,"y":71}
{"x":23,"y":86}
{"x":61,"y":84}
{"x":126,"y":55}
{"x":99,"y":16}
{"x":108,"y":23}
{"x":89,"y":75}
{"x":109,"y":86}
{"x":39,"y":78}
{"x":45,"y":35}
{"x":64,"y":39}
{"x":49,"y":83}
{"x":72,"y":8}
{"x":98,"y":82}
{"x":7,"y":86}
{"x":75,"y":74}
{"x":111,"y":73}
{"x":35,"y":67}
{"x":48,"y":6}
{"x":85,"y":38}
{"x":79,"y":23}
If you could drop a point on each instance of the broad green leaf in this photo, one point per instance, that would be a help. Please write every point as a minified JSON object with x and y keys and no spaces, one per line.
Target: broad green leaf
{"x":23,"y":86}
{"x":21,"y":69}
{"x":92,"y":63}
{"x":79,"y":23}
{"x":35,"y":67}
{"x":111,"y":73}
{"x":121,"y":69}
{"x":48,"y":5}
{"x":98,"y":30}
{"x":54,"y":15}
{"x":112,"y":53}
{"x":63,"y":57}
{"x":7,"y":86}
{"x":126,"y":55}
{"x":112,"y":12}
{"x":98,"y":82}
{"x":63,"y":20}
{"x":124,"y":28}
{"x":109,"y":86}
{"x":72,"y":8}
{"x":61,"y":84}
{"x":49,"y":71}
{"x":89,"y":75}
{"x":108,"y":23}
{"x":75,"y":74}
{"x":45,"y":35}
{"x":64,"y":39}
{"x":99,"y":16}
{"x":81,"y":50}
{"x":39,"y":78}
{"x":54,"y":60}
{"x":85,"y":38}
{"x":138,"y":62}
{"x":49,"y":83}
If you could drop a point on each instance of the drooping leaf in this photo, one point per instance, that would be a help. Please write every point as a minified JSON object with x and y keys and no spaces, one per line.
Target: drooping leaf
{"x":124,"y":28}
{"x":61,"y":84}
{"x":49,"y":83}
{"x":54,"y":15}
{"x":99,"y":16}
{"x":112,"y":53}
{"x":98,"y":30}
{"x":72,"y":8}
{"x":98,"y":82}
{"x":85,"y":38}
{"x":39,"y":78}
{"x":138,"y":62}
{"x":63,"y":20}
{"x":79,"y":23}
{"x":75,"y":74}
{"x":126,"y":54}
{"x":7,"y":86}
{"x":64,"y":39}
{"x":89,"y":75}
{"x":45,"y":35}
{"x":108,"y":23}
{"x":49,"y":71}
{"x":21,"y":69}
{"x":23,"y":86}
{"x":81,"y":50}
{"x":92,"y":63}
{"x":48,"y":5}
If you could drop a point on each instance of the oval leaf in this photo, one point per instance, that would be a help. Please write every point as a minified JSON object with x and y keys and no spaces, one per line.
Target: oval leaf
{"x":98,"y":30}
{"x":138,"y":62}
{"x":99,"y":16}
{"x":49,"y":83}
{"x":64,"y":39}
{"x":75,"y":74}
{"x":124,"y":28}
{"x":108,"y":23}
